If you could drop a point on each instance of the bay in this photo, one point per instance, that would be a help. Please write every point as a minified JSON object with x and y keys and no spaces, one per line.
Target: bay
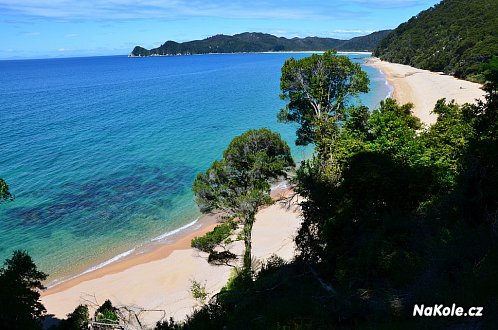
{"x":101,"y":152}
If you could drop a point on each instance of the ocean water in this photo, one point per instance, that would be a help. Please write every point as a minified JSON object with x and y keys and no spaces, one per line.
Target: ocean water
{"x":101,"y":152}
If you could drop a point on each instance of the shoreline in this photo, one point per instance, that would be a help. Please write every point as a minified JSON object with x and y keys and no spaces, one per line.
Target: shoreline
{"x":160,"y":277}
{"x":169,"y":237}
{"x":424,"y":88}
{"x":269,"y":52}
{"x":148,"y":252}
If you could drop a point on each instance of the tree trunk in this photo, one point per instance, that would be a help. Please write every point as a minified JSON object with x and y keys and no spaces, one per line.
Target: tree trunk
{"x":248,"y":222}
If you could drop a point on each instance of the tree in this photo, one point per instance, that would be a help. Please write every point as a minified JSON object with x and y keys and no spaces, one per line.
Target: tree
{"x":491,"y":80}
{"x":317,"y":90}
{"x":76,"y":320}
{"x":240,"y":183}
{"x":20,"y":283}
{"x":5,"y":194}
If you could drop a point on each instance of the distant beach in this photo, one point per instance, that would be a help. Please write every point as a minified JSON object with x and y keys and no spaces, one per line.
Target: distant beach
{"x":423,"y":88}
{"x":269,"y":52}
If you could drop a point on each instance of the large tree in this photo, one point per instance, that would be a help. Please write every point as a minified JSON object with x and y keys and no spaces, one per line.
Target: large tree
{"x":20,"y":283}
{"x":240,"y":183}
{"x":318,"y":90}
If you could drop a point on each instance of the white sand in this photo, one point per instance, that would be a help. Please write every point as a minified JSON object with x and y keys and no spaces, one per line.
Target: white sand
{"x":164,"y":284}
{"x":161,"y":280}
{"x":423,"y":88}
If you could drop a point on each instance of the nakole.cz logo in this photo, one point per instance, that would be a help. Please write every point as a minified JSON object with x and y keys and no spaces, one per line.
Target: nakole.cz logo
{"x":441,"y":310}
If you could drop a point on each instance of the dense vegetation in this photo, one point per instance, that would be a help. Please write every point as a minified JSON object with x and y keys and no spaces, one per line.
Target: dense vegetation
{"x":261,"y":42}
{"x":454,"y":36}
{"x":20,"y":283}
{"x":395,"y":214}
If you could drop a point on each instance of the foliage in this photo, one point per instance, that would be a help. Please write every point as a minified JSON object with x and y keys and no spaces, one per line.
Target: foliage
{"x":282,"y":297}
{"x":454,"y":37}
{"x":167,"y":325}
{"x":198,"y":291}
{"x":221,"y":258}
{"x":107,"y":313}
{"x":400,"y":224}
{"x":213,"y":238}
{"x":490,"y":72}
{"x":260,"y":42}
{"x":20,"y":283}
{"x":408,"y":217}
{"x":5,"y":194}
{"x":77,"y":320}
{"x":317,"y":90}
{"x":240,"y":183}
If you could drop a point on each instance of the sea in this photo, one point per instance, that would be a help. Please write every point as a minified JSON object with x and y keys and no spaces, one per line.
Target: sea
{"x":101,"y":152}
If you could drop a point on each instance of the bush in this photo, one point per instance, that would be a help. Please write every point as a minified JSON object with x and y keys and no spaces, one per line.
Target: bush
{"x":76,"y":320}
{"x":106,"y":313}
{"x":198,"y":291}
{"x":211,"y":239}
{"x":221,"y":258}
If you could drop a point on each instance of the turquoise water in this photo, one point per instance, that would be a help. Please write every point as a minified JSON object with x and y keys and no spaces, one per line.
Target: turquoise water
{"x":101,"y":152}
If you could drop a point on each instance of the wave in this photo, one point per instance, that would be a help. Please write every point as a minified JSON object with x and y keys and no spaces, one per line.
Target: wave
{"x":173,"y":232}
{"x":91,"y":269}
{"x":391,"y":89}
{"x":121,"y":255}
{"x":389,"y":86}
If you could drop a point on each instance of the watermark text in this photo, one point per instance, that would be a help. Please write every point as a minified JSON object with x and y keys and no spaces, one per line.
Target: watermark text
{"x":441,"y":310}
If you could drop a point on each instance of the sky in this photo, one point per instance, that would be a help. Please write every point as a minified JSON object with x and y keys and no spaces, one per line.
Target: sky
{"x":66,"y":28}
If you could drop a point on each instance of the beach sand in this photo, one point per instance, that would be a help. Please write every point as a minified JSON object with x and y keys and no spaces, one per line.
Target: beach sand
{"x":423,"y":88}
{"x":161,"y":279}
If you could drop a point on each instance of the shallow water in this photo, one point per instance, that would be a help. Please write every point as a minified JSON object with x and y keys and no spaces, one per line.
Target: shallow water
{"x":101,"y":152}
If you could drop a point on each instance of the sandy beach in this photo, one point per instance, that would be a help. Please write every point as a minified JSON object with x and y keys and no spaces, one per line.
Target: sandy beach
{"x":160,"y":279}
{"x":423,"y":88}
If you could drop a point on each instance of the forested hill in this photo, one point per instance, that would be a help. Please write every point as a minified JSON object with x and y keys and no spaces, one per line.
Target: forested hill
{"x":454,"y":36}
{"x":250,"y":42}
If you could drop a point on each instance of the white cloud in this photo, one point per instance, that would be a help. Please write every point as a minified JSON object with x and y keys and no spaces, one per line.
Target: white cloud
{"x":169,"y":9}
{"x":30,"y":34}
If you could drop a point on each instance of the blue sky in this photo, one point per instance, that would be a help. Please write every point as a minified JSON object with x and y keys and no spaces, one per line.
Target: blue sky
{"x":61,"y":28}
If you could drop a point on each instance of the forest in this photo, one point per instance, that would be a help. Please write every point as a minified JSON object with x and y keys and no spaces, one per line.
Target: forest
{"x":455,"y":37}
{"x":251,"y":42}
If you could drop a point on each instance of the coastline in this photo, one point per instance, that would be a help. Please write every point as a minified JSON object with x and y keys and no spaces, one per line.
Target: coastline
{"x":423,"y":88}
{"x":149,"y":252}
{"x":160,"y":277}
{"x":269,"y":52}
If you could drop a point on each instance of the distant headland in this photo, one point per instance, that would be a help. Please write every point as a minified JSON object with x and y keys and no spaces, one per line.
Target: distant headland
{"x":254,"y":42}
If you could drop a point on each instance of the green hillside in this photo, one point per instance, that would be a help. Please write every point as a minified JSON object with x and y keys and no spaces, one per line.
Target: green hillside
{"x":250,"y":42}
{"x":454,"y":36}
